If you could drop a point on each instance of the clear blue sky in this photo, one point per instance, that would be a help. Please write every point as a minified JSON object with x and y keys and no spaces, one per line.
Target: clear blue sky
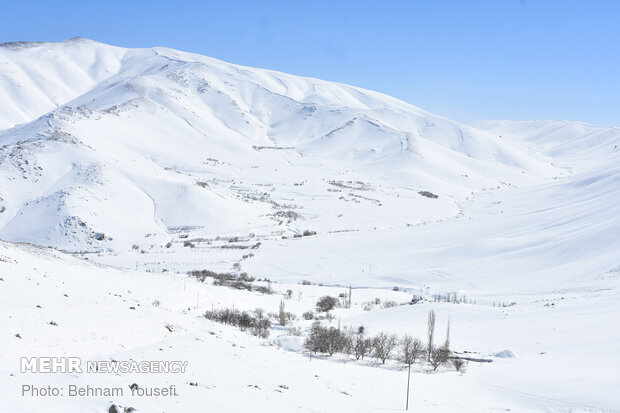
{"x":465,"y":59}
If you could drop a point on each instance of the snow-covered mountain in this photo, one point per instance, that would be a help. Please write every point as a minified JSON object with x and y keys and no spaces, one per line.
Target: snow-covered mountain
{"x":157,"y":162}
{"x":104,"y":145}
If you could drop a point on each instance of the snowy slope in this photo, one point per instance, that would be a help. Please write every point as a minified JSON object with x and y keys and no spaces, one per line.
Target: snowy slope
{"x":102,"y":314}
{"x":38,"y":77}
{"x":557,"y":235}
{"x":189,"y":141}
{"x":560,"y":139}
{"x":157,"y":162}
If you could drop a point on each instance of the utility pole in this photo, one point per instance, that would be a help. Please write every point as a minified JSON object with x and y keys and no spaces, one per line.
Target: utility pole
{"x":408,"y":379}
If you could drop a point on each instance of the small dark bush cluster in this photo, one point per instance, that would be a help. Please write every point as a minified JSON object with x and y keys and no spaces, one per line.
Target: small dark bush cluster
{"x":239,"y":282}
{"x":326,"y":303}
{"x":286,"y":214}
{"x":388,"y":304}
{"x":308,"y":315}
{"x":256,"y":324}
{"x":458,"y":363}
{"x":262,"y":289}
{"x":428,"y":194}
{"x":416,"y":299}
{"x":306,"y":233}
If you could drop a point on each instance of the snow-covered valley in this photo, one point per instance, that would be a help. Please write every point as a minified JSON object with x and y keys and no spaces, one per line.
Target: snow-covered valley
{"x":121,"y":170}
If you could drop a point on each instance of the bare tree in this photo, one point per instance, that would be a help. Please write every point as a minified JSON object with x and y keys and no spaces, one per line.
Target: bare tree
{"x":439,"y":356}
{"x":347,"y":340}
{"x":326,"y":303}
{"x":447,"y":343}
{"x":362,"y":345}
{"x":431,"y":332}
{"x":326,"y":340}
{"x":411,"y":349}
{"x":337,"y":341}
{"x":383,"y":345}
{"x":314,"y":341}
{"x":349,"y":303}
{"x":282,"y":314}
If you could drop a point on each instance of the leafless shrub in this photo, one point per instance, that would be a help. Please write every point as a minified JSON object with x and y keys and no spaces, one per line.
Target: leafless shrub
{"x":239,"y":282}
{"x":263,"y":290}
{"x":459,"y":364}
{"x":258,"y":324}
{"x":245,"y":277}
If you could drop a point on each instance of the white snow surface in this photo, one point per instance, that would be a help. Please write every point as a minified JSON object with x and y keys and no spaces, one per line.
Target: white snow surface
{"x":138,"y":165}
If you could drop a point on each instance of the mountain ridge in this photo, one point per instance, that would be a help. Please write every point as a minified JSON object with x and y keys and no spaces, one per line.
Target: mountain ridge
{"x":171,"y":111}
